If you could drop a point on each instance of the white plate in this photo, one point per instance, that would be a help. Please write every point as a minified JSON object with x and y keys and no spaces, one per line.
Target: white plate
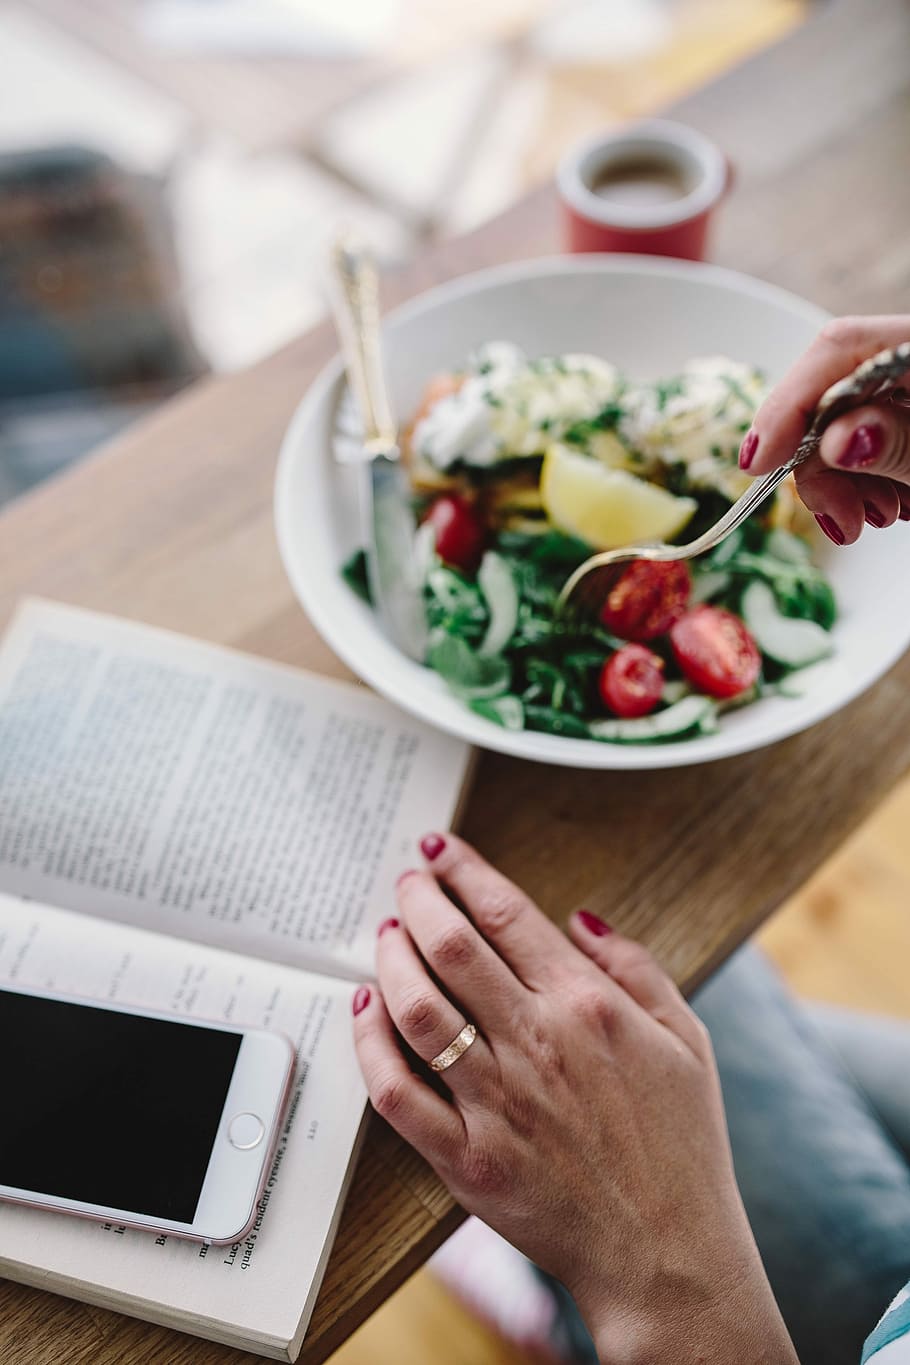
{"x":648,"y":316}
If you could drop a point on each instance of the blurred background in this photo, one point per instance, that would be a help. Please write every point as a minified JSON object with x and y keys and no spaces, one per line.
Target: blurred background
{"x":170,"y":174}
{"x":170,"y":170}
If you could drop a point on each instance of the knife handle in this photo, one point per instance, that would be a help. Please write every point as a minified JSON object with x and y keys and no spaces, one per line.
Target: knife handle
{"x":355,"y":300}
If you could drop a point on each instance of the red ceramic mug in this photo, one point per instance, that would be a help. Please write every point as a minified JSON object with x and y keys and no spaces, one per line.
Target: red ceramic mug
{"x":650,"y":187}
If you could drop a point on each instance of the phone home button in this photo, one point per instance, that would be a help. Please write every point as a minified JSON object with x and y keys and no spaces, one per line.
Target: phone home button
{"x":245,"y":1131}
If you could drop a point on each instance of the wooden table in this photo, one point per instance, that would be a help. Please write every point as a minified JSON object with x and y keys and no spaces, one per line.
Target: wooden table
{"x":172,"y":525}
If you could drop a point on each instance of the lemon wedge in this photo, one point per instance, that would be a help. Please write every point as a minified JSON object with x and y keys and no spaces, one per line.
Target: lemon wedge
{"x":607,"y":507}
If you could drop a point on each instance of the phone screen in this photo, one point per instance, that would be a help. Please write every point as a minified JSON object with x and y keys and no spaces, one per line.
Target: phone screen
{"x":109,"y":1108}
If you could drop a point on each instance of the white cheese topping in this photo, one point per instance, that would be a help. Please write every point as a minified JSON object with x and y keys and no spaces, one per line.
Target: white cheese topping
{"x":510,"y":408}
{"x":697,"y":419}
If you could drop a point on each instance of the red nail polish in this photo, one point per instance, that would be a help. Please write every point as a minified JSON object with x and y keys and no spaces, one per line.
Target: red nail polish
{"x":387,"y":924}
{"x":864,"y":447}
{"x":830,"y":528}
{"x":874,"y":516}
{"x":904,"y":513}
{"x":361,"y":999}
{"x":747,"y":449}
{"x":431,"y":845}
{"x":594,"y":924}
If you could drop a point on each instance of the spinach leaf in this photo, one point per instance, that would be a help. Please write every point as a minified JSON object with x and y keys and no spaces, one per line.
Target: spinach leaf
{"x":555,"y":722}
{"x":469,"y":674}
{"x":552,"y":549}
{"x":354,"y":573}
{"x":455,"y":605}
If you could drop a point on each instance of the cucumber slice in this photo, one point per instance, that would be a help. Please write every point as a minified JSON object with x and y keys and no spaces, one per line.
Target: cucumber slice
{"x":728,"y":549}
{"x":692,"y":713}
{"x":674,"y":691}
{"x":708,"y":585}
{"x":506,"y":711}
{"x":453,"y":592}
{"x":792,"y":549}
{"x":424,"y":551}
{"x":497,"y":583}
{"x":785,"y":639}
{"x":792,"y":687}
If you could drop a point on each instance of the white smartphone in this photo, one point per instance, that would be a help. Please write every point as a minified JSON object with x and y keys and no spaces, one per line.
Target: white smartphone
{"x":136,"y":1117}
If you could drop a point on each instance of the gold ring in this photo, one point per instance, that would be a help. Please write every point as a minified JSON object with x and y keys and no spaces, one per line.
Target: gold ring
{"x":455,"y":1049}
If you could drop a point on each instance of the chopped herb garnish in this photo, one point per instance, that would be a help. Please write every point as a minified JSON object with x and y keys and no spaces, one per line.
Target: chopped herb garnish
{"x":607,"y":419}
{"x":737,"y":391}
{"x":665,"y":389}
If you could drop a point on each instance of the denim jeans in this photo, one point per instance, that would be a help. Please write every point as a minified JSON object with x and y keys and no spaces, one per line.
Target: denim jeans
{"x":818,"y":1105}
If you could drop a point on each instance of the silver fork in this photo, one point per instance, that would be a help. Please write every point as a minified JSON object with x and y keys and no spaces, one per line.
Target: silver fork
{"x":590,"y":584}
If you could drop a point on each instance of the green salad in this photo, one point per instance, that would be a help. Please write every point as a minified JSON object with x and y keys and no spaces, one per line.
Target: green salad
{"x":522,"y":469}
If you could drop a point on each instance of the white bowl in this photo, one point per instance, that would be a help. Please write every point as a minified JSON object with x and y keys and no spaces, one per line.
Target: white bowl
{"x":648,"y":316}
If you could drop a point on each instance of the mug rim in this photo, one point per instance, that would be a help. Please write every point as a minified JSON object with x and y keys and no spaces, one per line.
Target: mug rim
{"x":645,"y":135}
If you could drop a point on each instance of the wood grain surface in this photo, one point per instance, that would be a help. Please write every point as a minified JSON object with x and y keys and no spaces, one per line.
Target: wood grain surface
{"x":172,"y":525}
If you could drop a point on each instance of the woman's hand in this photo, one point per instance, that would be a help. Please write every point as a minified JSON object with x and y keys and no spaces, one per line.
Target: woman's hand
{"x":862,"y":471}
{"x":585,"y":1123}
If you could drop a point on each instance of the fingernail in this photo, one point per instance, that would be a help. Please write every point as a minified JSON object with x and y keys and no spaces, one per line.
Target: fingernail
{"x":387,"y":924}
{"x":874,"y":516}
{"x":747,"y":449}
{"x":830,"y":528}
{"x":431,"y":845}
{"x":361,"y":999}
{"x":408,"y":872}
{"x":864,"y":447}
{"x":904,"y":513}
{"x":594,"y":924}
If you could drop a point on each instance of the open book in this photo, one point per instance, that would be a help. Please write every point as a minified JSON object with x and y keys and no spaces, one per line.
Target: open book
{"x":194,"y":830}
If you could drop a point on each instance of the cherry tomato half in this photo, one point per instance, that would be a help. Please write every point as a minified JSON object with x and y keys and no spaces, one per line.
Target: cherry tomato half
{"x":715,"y":651}
{"x":646,"y":600}
{"x":632,"y":681}
{"x":460,"y":531}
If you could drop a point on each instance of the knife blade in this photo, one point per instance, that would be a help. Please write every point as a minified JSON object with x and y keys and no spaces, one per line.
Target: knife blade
{"x":392,"y":566}
{"x":390,"y":528}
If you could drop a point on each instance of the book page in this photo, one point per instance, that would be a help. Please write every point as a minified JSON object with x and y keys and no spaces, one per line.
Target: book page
{"x":196,"y":791}
{"x":262,"y":1289}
